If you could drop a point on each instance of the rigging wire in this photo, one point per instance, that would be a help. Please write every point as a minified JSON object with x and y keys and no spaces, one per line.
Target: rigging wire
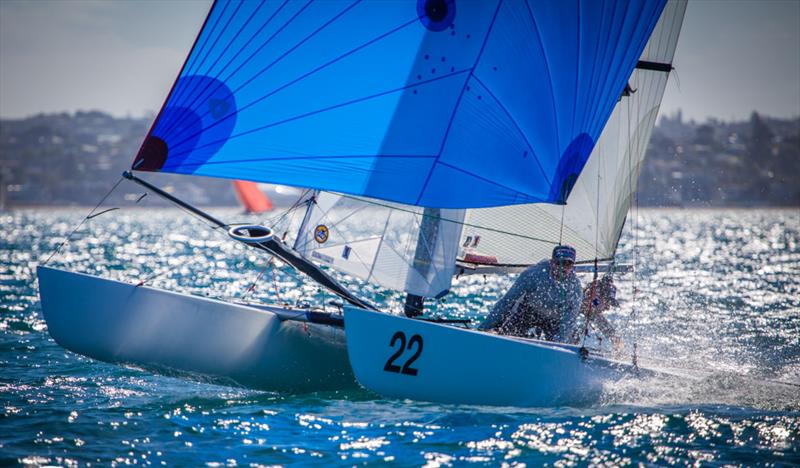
{"x":593,"y":291}
{"x":88,"y":217}
{"x":217,"y":229}
{"x":291,"y":210}
{"x":441,"y":218}
{"x":253,"y":284}
{"x":633,"y":292}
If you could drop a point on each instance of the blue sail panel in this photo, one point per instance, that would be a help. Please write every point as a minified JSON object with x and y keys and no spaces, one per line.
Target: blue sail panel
{"x":442,"y":103}
{"x":483,"y":142}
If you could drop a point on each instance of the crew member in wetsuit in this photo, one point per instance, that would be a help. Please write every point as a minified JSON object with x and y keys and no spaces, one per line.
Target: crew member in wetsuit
{"x":544,"y":302}
{"x":599,"y":296}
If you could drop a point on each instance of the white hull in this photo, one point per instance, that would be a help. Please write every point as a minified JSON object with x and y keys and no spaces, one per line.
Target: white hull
{"x":182,"y":334}
{"x":442,"y":363}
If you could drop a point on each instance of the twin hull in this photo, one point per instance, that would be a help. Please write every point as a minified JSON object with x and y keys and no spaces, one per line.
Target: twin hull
{"x":183,"y":334}
{"x":258,"y":347}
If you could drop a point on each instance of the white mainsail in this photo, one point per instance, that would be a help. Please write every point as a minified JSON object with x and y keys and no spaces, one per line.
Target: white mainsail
{"x":598,"y":204}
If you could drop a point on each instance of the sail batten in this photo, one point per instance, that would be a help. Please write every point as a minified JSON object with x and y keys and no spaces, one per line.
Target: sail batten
{"x":501,"y":93}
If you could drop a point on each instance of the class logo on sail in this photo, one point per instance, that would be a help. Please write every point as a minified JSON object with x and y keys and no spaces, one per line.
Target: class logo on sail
{"x":321,"y":233}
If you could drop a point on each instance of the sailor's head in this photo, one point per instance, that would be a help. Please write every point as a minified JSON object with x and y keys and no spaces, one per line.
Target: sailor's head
{"x":562,"y":260}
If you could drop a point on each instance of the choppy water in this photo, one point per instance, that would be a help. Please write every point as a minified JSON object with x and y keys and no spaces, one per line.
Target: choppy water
{"x":718,"y":294}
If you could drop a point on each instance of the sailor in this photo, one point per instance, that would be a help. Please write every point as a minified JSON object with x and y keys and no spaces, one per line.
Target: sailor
{"x":598,"y":297}
{"x":546,"y":302}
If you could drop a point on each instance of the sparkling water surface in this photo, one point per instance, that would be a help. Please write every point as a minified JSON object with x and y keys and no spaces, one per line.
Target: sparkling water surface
{"x":716,"y":295}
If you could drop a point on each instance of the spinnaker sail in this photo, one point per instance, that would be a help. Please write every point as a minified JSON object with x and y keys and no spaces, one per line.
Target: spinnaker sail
{"x":436,"y":103}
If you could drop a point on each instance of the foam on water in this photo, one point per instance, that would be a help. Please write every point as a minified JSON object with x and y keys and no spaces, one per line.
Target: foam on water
{"x":717,"y":306}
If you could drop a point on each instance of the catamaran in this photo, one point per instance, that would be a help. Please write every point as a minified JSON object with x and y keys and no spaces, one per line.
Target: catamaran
{"x":437,"y":138}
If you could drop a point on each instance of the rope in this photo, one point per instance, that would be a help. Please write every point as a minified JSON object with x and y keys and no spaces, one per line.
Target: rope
{"x":406,"y":210}
{"x":281,"y":216}
{"x":275,"y":287}
{"x":89,"y":216}
{"x":252,"y":286}
{"x":152,"y":277}
{"x":634,"y":315}
{"x":591,"y":303}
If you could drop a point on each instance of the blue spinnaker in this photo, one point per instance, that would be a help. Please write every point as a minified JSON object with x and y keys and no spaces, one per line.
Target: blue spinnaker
{"x":439,"y":103}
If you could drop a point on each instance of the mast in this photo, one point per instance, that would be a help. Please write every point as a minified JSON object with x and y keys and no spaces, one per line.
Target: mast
{"x":426,"y":245}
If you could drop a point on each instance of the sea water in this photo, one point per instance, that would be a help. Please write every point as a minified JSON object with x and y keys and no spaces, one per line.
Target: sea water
{"x":716,"y":295}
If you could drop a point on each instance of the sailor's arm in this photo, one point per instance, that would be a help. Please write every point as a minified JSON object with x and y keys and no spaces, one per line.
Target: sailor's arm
{"x":592,"y":307}
{"x":503,"y":308}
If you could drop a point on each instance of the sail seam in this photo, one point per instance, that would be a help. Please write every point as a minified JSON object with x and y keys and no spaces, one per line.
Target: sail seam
{"x":458,"y":103}
{"x":529,"y":199}
{"x":462,"y":223}
{"x":577,"y":79}
{"x":296,"y":158}
{"x":284,"y":55}
{"x":172,"y":89}
{"x":202,"y":52}
{"x":249,"y":41}
{"x":597,"y":105}
{"x":547,"y":68}
{"x":595,"y":76}
{"x":214,"y":44}
{"x":227,"y":47}
{"x":307,"y":114}
{"x":516,"y":125}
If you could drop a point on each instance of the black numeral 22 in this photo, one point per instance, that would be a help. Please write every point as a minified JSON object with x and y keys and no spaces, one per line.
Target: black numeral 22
{"x":406,"y":369}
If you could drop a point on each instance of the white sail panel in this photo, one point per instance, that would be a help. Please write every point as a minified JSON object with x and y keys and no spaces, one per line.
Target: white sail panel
{"x":596,"y":209}
{"x":398,"y":247}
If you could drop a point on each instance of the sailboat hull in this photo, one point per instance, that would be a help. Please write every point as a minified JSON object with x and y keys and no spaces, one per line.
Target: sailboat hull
{"x":412,"y":359}
{"x":180,"y":334}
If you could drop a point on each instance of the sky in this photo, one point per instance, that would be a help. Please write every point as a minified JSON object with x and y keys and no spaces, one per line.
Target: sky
{"x":733,"y":56}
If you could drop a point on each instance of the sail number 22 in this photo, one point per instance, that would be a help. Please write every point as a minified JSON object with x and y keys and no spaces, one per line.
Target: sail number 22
{"x":415,"y":342}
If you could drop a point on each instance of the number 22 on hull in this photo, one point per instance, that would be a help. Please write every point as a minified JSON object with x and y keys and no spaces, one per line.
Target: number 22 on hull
{"x":405,"y":358}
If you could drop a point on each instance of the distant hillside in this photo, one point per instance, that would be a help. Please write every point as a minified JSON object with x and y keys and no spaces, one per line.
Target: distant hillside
{"x":73,"y":159}
{"x":748,"y":163}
